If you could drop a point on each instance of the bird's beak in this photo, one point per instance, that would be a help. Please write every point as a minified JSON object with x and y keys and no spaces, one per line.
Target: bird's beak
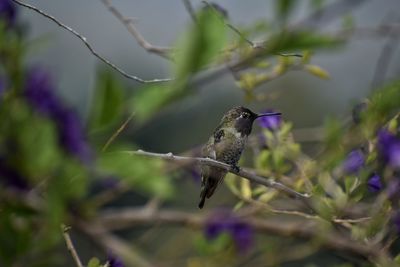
{"x":269,"y":114}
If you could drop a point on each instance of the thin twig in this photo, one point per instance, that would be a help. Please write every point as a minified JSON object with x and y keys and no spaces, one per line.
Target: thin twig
{"x":242,"y":36}
{"x":70,"y":246}
{"x":89,"y":46}
{"x":329,"y":12}
{"x":385,"y":57}
{"x":190,"y":9}
{"x":130,"y":26}
{"x":116,"y":133}
{"x":242,"y":172}
{"x":101,"y":236}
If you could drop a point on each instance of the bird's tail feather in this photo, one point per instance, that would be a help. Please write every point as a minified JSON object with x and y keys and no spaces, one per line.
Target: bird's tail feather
{"x":207,"y":190}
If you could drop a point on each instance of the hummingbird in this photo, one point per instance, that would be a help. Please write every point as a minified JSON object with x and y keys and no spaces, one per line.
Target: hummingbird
{"x":226,"y":145}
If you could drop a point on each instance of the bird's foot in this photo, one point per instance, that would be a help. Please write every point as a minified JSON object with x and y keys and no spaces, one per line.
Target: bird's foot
{"x":235,"y":169}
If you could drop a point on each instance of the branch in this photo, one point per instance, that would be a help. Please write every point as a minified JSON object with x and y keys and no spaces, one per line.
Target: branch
{"x":190,"y":9}
{"x":70,"y":245}
{"x":125,"y":218}
{"x":242,"y":172}
{"x":385,"y":57}
{"x":108,"y":241}
{"x":328,"y":13}
{"x":89,"y":46}
{"x":242,"y":36}
{"x":323,"y":17}
{"x":117,"y":132}
{"x":130,"y":26}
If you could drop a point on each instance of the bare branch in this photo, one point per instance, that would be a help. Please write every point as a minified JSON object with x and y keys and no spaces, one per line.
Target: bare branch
{"x":242,"y":36}
{"x":117,"y":132}
{"x":242,"y":172}
{"x":328,"y":13}
{"x":385,"y":57}
{"x":108,"y":241}
{"x":130,"y":26}
{"x":89,"y":46}
{"x":126,"y":218}
{"x":190,"y":9}
{"x":70,"y":246}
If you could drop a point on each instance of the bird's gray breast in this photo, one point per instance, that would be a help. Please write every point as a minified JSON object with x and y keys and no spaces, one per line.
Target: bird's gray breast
{"x":231,"y":147}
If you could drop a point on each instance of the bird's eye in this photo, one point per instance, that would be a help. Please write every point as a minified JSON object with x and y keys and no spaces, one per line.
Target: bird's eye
{"x":244,"y":115}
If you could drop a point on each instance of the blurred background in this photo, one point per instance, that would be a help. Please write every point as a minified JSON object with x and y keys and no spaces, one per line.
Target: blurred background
{"x":341,"y":75}
{"x":304,"y":99}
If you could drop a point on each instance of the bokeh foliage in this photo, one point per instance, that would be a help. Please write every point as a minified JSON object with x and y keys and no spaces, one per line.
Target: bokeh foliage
{"x":45,"y":180}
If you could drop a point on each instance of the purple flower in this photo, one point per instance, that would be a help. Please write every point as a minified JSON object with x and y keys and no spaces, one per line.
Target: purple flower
{"x":71,"y":134}
{"x":374,"y":183}
{"x":194,"y":173}
{"x":354,"y":162}
{"x":240,"y":231}
{"x":8,"y":12}
{"x":389,"y":148}
{"x":39,"y":92}
{"x":271,"y":123}
{"x":243,"y":235}
{"x":114,"y":261}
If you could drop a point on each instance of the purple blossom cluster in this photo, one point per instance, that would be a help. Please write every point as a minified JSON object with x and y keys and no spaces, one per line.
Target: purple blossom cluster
{"x":271,"y":123}
{"x":114,"y":261}
{"x":389,"y":148}
{"x":354,"y":162}
{"x":8,"y":12}
{"x":39,"y":92}
{"x":240,"y":231}
{"x":374,"y":183}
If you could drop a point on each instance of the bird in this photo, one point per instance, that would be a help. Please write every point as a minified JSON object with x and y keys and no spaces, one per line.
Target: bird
{"x":226,"y":145}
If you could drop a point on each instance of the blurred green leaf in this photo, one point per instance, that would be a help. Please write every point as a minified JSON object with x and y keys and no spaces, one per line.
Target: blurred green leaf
{"x":200,"y":45}
{"x":317,"y":71}
{"x":150,"y":99}
{"x":38,"y":147}
{"x":333,"y":133}
{"x":108,"y":101}
{"x":300,"y":40}
{"x":316,"y":4}
{"x":142,"y":172}
{"x":383,"y":103}
{"x":284,"y":8}
{"x":220,"y":243}
{"x":94,"y":262}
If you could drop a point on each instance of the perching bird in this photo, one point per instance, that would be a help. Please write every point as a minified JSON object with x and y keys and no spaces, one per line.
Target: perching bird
{"x":226,"y":145}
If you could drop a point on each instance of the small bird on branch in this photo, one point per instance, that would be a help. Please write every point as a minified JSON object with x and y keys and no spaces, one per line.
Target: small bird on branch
{"x":226,"y":145}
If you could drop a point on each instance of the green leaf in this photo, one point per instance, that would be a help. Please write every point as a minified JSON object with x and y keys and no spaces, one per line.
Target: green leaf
{"x":316,"y":4}
{"x":108,"y":101}
{"x":142,"y":172}
{"x":300,"y":40}
{"x":284,"y":8}
{"x":38,"y":147}
{"x":94,"y":262}
{"x":152,"y":98}
{"x":200,"y":45}
{"x":384,"y":102}
{"x":317,"y":71}
{"x":245,"y":188}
